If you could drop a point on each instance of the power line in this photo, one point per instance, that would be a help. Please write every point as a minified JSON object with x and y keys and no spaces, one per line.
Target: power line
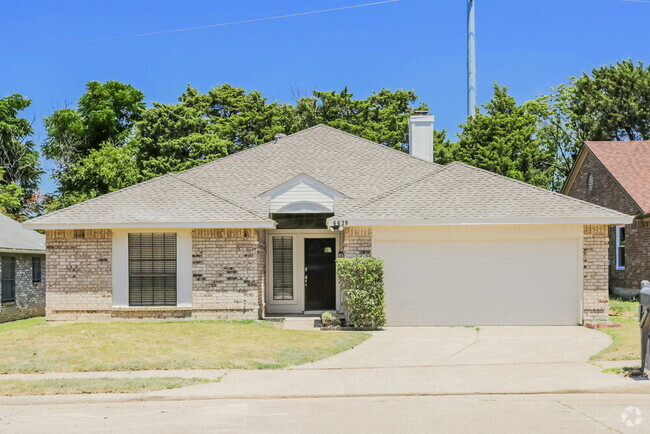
{"x":188,"y":29}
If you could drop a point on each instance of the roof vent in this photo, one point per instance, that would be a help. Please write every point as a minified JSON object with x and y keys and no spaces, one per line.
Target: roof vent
{"x":279,"y":136}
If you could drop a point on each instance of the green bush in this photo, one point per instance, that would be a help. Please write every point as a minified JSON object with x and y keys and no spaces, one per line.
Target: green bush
{"x":362,"y":289}
{"x":328,"y":320}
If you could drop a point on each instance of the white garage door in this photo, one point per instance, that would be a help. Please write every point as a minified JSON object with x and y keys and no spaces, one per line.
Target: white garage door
{"x":432,"y":279}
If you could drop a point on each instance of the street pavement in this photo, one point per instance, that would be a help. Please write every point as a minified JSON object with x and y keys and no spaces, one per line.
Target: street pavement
{"x":413,"y":414}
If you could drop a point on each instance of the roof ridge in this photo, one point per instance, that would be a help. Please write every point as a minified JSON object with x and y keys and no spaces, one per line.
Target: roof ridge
{"x":396,"y":189}
{"x":379,"y":144}
{"x":517,"y":181}
{"x":218,"y":197}
{"x":271,"y":142}
{"x":110,"y":193}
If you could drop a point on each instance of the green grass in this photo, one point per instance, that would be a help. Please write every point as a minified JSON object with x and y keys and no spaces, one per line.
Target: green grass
{"x":626,"y":340}
{"x":21,"y":324}
{"x":94,"y":385}
{"x":32,"y":346}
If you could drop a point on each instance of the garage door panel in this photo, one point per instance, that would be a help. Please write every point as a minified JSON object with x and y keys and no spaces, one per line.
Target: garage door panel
{"x":481,"y":282}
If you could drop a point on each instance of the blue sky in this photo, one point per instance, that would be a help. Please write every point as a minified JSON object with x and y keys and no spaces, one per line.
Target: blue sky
{"x":413,"y":44}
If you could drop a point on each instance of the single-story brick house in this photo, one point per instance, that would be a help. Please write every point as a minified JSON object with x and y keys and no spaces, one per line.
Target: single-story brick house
{"x":616,"y":175}
{"x":22,"y":256}
{"x":258,"y":232}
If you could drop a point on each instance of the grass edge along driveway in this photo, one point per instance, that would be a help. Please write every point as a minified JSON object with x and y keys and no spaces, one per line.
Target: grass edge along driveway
{"x":626,"y":339}
{"x":33,"y":346}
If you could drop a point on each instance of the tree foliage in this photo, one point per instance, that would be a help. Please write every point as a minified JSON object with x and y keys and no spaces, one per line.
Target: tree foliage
{"x":504,"y":139}
{"x":98,"y":154}
{"x":11,"y":197}
{"x":613,"y":102}
{"x":19,"y":164}
{"x":610,"y":103}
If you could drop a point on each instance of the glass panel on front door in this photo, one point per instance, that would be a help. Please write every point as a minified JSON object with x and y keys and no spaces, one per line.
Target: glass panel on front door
{"x":283,"y":268}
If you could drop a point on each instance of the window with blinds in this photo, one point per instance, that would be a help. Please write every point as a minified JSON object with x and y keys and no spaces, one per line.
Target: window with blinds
{"x":283,"y":268}
{"x":8,"y":279}
{"x":37,"y":269}
{"x":152,"y":269}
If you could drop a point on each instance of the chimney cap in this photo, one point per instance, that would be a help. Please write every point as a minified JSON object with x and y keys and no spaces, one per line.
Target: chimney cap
{"x":421,"y":112}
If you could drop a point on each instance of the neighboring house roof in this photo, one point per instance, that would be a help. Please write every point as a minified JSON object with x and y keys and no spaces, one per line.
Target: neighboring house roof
{"x":374,"y":181}
{"x":13,"y":237}
{"x":629,"y":164}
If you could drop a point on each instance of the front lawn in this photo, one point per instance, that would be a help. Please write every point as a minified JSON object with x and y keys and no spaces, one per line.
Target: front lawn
{"x":31,"y":346}
{"x":626,"y":339}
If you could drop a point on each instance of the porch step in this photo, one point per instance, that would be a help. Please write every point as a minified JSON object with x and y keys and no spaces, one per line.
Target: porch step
{"x":311,"y":323}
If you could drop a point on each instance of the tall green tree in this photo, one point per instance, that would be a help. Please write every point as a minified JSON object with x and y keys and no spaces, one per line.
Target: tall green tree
{"x":105,"y":113}
{"x":382,"y":117}
{"x":18,"y":159}
{"x":87,"y":142}
{"x":612,"y":102}
{"x":504,"y":139}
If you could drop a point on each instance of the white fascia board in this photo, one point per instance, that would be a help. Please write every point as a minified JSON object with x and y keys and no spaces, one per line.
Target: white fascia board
{"x":478,"y":221}
{"x":266,"y":224}
{"x":23,"y":251}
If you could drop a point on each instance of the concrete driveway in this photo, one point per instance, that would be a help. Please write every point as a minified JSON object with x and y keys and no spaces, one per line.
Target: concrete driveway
{"x":438,"y":361}
{"x":456,"y":346}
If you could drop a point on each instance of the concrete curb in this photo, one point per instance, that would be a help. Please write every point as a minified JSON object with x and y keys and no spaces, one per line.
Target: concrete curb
{"x":105,"y":398}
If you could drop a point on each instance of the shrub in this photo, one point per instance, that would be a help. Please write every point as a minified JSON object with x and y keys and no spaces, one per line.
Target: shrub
{"x":362,"y":289}
{"x":328,"y":320}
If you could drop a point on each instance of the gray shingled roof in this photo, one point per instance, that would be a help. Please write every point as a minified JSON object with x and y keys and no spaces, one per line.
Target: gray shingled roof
{"x":14,"y":237}
{"x":378,"y":182}
{"x":460,"y":192}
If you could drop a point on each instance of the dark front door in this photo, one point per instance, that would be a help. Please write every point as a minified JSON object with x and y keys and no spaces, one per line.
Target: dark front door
{"x":320,"y":274}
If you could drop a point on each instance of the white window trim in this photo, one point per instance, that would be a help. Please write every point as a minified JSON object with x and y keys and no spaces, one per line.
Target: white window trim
{"x":618,"y":245}
{"x":120,"y":261}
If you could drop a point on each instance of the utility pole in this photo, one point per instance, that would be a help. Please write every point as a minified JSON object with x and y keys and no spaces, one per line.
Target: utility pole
{"x":471,"y":58}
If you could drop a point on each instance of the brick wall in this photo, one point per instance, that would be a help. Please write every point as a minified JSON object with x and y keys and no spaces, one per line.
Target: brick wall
{"x":30,"y":296}
{"x":607,"y":192}
{"x":357,"y":241}
{"x":228,"y":267}
{"x":79,"y":279}
{"x":595,"y":273}
{"x":228,"y":274}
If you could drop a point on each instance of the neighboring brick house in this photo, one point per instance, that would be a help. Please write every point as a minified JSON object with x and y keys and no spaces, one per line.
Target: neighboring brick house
{"x":22,"y":271}
{"x":258,"y":233}
{"x":616,"y":175}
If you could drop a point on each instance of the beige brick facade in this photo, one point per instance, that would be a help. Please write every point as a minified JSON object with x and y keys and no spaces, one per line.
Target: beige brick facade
{"x":228,"y":268}
{"x":357,"y":241}
{"x":79,"y":276}
{"x":228,"y":273}
{"x":595,"y":273}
